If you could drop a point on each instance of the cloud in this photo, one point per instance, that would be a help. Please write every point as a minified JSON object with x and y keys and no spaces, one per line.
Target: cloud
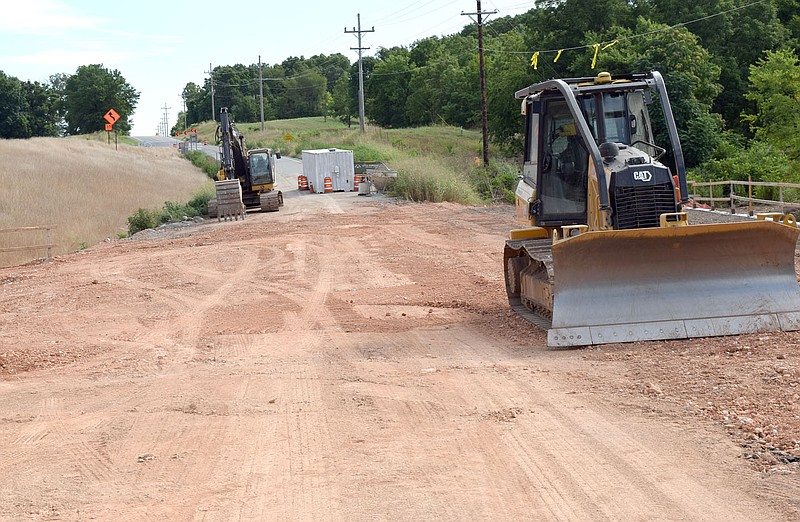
{"x":45,"y":17}
{"x":69,"y":58}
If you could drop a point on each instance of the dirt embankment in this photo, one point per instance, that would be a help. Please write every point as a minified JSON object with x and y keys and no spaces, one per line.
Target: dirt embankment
{"x":354,"y":359}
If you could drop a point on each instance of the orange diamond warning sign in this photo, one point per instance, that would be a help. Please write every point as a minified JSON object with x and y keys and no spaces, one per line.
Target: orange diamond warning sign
{"x":111,"y":116}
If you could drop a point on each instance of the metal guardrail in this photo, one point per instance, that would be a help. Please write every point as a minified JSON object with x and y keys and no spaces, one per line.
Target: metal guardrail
{"x":48,"y":246}
{"x":732,"y":197}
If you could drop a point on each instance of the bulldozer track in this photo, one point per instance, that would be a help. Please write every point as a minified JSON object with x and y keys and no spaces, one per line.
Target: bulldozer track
{"x":538,"y":251}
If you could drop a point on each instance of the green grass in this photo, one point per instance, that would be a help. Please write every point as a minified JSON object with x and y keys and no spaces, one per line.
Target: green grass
{"x":204,"y":162}
{"x":437,"y":163}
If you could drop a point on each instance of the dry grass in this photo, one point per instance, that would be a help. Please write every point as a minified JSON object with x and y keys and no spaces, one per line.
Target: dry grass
{"x":86,"y":189}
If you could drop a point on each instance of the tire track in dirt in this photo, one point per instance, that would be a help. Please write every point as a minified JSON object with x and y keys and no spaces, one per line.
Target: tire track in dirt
{"x":547,"y":452}
{"x":308,"y":417}
{"x":179,"y":331}
{"x":53,"y":426}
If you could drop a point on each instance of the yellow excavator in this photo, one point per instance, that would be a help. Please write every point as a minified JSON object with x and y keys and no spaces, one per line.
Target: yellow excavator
{"x":254,"y":168}
{"x":607,"y":255}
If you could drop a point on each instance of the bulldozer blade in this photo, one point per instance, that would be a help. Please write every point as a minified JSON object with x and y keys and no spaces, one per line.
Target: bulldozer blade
{"x":674,"y":283}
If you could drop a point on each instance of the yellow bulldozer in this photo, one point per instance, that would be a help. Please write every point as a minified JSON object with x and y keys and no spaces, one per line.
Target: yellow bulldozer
{"x":608,"y":255}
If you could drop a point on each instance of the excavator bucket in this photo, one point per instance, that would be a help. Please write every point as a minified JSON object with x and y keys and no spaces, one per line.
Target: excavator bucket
{"x":674,"y":282}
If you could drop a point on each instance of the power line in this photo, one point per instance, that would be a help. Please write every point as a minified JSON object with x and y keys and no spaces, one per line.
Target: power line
{"x":392,"y":15}
{"x":420,"y":15}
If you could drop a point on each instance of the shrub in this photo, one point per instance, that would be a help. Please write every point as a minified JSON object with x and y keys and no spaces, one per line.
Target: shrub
{"x":172,"y":212}
{"x":495,"y":183}
{"x":142,"y":220}
{"x":363,"y":152}
{"x":199,"y":203}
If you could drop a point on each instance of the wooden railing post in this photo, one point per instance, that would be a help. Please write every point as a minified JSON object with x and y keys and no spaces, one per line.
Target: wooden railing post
{"x":711,"y":195}
{"x":49,"y":243}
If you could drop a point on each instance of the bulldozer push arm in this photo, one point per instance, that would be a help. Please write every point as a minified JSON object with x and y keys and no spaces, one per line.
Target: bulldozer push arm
{"x":613,"y":258}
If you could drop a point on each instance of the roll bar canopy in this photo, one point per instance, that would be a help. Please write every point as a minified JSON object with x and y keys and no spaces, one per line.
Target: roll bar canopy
{"x":570,"y":87}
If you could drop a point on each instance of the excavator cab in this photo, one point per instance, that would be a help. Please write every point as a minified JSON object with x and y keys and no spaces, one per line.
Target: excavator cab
{"x":608,"y":255}
{"x":262,"y":168}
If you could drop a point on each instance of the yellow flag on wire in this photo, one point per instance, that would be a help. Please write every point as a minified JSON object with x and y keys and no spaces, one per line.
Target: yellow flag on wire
{"x":596,"y":50}
{"x":558,"y":55}
{"x":535,"y":60}
{"x":609,"y":45}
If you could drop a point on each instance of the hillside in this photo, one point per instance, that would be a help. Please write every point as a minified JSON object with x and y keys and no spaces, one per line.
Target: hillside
{"x":86,"y":189}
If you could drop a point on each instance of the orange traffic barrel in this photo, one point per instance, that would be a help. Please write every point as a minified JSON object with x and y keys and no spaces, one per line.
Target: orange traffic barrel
{"x":302,"y":182}
{"x":356,"y":181}
{"x":328,"y":185}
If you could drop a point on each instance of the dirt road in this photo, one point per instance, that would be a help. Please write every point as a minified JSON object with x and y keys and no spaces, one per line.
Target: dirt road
{"x":352,"y":358}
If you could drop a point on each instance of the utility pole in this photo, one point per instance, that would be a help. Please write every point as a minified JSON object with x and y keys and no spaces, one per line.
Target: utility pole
{"x":166,"y":119}
{"x":183,"y":95}
{"x":210,"y":73}
{"x":359,"y":32}
{"x":484,"y":125}
{"x":261,"y":91}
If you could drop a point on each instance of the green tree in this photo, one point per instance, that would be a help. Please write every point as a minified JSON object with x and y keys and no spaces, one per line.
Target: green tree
{"x":91,"y":92}
{"x":233,"y":89}
{"x":343,"y":105}
{"x":775,"y":91}
{"x":327,"y":105}
{"x":303,"y":96}
{"x":388,"y":87}
{"x":13,"y":120}
{"x":27,"y":109}
{"x":689,"y":72}
{"x":193,"y":97}
{"x":41,"y":108}
{"x":331,"y":67}
{"x":57,"y":84}
{"x":445,"y":87}
{"x":507,"y":73}
{"x":735,"y":34}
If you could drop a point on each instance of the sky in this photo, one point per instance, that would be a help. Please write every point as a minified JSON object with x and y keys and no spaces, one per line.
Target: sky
{"x":160,"y":46}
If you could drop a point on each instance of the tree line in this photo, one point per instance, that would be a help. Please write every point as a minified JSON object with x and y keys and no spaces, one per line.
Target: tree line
{"x":66,"y":104}
{"x":731,"y":67}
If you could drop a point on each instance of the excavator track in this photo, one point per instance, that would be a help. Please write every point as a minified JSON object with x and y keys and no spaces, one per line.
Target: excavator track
{"x":271,"y":201}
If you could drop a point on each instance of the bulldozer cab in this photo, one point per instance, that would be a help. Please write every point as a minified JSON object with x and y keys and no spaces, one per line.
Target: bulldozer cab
{"x":562,"y":176}
{"x":561,"y":138}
